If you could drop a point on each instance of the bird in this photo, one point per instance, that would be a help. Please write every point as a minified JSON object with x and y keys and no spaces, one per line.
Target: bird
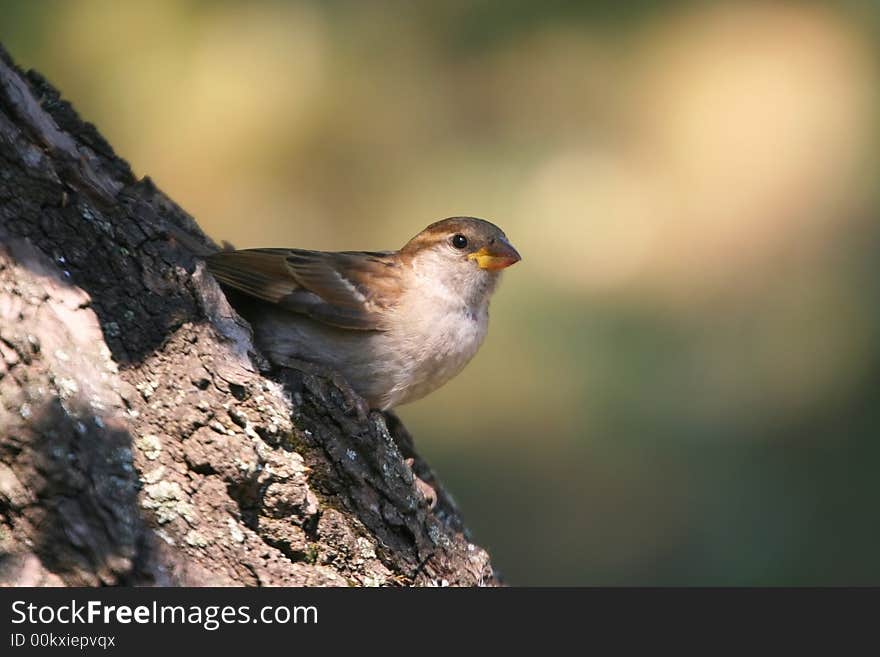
{"x":395,"y":325}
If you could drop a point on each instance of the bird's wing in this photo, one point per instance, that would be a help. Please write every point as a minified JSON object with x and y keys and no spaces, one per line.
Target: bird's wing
{"x":349,"y":289}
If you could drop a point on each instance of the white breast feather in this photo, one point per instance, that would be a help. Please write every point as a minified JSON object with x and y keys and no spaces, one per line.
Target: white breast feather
{"x":439,"y":335}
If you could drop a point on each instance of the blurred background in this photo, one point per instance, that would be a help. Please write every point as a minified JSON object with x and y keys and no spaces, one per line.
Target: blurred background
{"x":682,"y":380}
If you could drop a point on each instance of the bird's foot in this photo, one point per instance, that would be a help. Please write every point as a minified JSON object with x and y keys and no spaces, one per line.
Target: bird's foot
{"x":425,"y":489}
{"x":353,"y":402}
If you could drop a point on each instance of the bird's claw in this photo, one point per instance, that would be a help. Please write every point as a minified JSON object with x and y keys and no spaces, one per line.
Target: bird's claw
{"x":424,"y":488}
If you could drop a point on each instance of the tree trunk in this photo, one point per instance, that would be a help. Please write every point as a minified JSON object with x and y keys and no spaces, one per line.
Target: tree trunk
{"x":143,"y":440}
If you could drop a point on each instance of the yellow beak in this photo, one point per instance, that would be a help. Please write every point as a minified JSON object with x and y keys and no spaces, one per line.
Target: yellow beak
{"x":497,"y":256}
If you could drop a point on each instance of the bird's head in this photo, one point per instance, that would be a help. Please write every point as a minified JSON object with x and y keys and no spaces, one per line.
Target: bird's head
{"x":465,"y":254}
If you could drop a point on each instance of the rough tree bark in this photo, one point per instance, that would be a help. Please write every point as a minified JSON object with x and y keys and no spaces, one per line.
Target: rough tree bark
{"x":143,"y":440}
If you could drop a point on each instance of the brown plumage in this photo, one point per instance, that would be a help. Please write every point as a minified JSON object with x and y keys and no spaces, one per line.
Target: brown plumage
{"x":349,"y":289}
{"x":395,"y":324}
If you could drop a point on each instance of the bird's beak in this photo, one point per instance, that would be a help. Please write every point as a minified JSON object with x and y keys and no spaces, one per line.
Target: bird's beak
{"x":497,"y":256}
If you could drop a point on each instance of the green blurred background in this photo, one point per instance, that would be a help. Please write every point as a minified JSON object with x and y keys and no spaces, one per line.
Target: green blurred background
{"x":682,"y":378}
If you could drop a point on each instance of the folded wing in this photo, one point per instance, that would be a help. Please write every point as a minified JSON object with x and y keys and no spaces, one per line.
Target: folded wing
{"x":349,"y":289}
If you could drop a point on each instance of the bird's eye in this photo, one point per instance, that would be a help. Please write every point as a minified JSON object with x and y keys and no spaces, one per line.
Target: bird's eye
{"x":459,"y":241}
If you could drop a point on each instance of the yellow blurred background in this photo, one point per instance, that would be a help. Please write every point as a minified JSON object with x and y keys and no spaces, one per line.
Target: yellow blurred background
{"x":682,"y":377}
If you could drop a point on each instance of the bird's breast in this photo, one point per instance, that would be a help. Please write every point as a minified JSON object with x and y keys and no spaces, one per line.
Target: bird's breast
{"x":436,"y":341}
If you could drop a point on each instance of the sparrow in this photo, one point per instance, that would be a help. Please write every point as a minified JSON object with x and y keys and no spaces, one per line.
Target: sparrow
{"x":396,"y":325}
